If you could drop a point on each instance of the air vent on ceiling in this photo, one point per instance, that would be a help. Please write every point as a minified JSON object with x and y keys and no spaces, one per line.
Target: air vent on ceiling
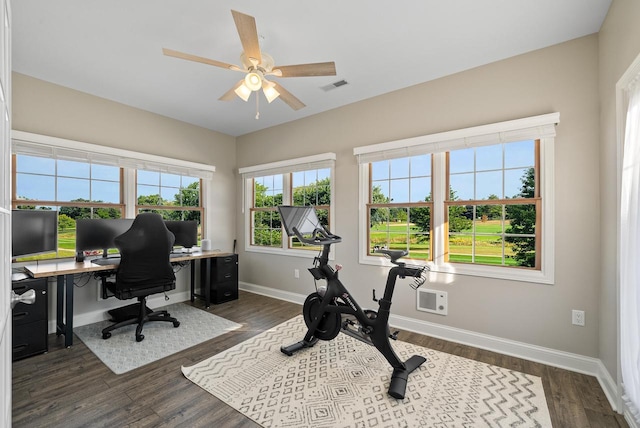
{"x":334,"y":85}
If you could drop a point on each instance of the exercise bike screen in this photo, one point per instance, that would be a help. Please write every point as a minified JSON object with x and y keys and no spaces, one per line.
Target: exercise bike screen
{"x":303,"y":219}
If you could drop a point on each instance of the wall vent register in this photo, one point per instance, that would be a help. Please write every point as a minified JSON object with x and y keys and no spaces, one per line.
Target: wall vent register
{"x":434,"y":301}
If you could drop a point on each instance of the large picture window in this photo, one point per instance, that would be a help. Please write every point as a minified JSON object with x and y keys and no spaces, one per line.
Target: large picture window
{"x":302,"y":182}
{"x":81,"y":180}
{"x":476,"y":201}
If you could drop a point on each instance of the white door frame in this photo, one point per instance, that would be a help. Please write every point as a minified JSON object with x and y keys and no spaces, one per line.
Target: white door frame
{"x":5,"y":214}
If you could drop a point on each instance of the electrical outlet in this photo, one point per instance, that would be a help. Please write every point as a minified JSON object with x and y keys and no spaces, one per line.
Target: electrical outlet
{"x":577,"y":317}
{"x":296,"y":273}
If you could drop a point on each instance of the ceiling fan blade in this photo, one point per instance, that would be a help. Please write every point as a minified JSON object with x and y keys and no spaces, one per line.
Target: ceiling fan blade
{"x":288,"y":97}
{"x":248,"y":33}
{"x":301,"y":70}
{"x":189,"y":57}
{"x":231,"y":94}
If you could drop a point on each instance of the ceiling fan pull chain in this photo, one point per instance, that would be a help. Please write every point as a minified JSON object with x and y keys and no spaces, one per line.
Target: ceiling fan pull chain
{"x":257,"y":106}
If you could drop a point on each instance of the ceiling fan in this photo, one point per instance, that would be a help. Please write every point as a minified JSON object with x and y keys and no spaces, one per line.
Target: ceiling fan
{"x":258,"y":65}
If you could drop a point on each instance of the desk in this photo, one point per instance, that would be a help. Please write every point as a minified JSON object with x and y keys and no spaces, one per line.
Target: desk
{"x":64,"y":270}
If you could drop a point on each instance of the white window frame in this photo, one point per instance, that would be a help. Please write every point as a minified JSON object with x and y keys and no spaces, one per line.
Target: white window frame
{"x":284,"y":167}
{"x":538,"y":127}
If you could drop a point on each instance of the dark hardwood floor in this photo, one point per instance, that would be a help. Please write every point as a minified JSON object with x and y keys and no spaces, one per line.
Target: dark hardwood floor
{"x":72,"y":388}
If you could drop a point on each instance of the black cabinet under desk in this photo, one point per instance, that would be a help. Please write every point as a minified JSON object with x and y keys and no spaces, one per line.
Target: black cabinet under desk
{"x":30,"y":322}
{"x":223,"y":279}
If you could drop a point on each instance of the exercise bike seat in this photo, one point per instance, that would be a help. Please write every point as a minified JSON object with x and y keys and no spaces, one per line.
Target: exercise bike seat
{"x":394,"y":255}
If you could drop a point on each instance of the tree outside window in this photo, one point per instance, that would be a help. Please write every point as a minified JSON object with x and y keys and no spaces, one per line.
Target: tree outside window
{"x":173,"y":196}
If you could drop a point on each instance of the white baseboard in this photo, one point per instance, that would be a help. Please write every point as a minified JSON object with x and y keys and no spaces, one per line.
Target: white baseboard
{"x":272,"y":292}
{"x":551,"y":357}
{"x":101,"y":314}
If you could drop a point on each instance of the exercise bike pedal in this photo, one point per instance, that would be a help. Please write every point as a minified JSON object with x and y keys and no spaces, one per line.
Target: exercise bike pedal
{"x":394,"y":335}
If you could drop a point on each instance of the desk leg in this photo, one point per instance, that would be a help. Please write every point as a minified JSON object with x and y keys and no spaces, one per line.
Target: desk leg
{"x":60,"y":306}
{"x":68,"y":333}
{"x":207,"y":281}
{"x":64,"y":308}
{"x":192,"y":265}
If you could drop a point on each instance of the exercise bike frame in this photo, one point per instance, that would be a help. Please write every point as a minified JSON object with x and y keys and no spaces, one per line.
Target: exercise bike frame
{"x":337,"y":299}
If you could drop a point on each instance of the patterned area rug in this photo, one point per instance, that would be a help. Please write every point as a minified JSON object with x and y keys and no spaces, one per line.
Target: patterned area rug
{"x":122,"y":353}
{"x":343,"y":383}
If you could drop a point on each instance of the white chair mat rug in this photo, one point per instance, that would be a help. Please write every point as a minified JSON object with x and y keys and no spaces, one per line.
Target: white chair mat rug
{"x":121,"y":353}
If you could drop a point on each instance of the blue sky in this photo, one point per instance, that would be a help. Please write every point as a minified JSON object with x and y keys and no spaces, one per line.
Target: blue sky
{"x":35,"y":179}
{"x":476,"y":173}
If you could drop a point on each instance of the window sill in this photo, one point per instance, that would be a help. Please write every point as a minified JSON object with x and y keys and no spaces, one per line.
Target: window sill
{"x":512,"y":274}
{"x":307,"y":254}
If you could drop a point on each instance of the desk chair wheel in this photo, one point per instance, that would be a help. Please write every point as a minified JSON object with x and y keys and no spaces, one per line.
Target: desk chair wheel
{"x":139,"y":337}
{"x":106,"y":335}
{"x":176,"y":324}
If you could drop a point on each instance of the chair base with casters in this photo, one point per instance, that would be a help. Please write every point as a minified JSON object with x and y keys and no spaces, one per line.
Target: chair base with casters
{"x":136,"y":314}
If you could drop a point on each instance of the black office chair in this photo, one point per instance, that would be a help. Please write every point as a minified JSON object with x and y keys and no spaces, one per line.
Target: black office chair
{"x":144,"y":270}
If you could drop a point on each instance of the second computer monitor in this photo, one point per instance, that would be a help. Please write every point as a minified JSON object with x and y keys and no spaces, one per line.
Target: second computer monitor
{"x":99,"y":233}
{"x":185,"y":231}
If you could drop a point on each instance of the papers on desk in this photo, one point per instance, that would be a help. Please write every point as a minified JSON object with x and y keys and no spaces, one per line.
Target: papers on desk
{"x":19,"y":276}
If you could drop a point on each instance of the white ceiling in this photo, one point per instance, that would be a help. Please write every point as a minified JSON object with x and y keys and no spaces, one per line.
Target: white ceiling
{"x":113,"y":48}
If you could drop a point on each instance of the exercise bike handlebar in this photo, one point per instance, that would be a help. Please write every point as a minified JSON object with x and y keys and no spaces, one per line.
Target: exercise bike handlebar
{"x":319,"y":236}
{"x":404,"y":270}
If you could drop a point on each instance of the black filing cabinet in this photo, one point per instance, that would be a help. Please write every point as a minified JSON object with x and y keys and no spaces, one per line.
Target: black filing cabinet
{"x":30,"y":322}
{"x":223,"y":284}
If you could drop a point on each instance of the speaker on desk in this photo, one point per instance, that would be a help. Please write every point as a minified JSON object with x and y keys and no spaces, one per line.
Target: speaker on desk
{"x":205,"y":245}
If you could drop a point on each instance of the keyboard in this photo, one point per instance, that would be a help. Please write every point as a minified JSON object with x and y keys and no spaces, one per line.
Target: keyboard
{"x":106,"y":261}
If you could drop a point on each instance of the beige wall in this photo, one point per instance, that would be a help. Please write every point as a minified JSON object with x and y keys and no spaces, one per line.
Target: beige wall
{"x":562,"y":78}
{"x":44,"y":108}
{"x":619,"y":42}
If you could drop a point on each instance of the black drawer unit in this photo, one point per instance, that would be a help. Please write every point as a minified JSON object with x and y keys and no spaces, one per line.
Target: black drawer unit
{"x":223,"y":280}
{"x":30,"y":322}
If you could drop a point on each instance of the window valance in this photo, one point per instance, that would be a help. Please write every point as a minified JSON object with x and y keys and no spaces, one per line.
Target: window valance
{"x":530,"y":128}
{"x":58,"y":148}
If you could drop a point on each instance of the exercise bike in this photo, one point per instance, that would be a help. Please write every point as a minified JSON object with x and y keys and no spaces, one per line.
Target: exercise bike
{"x":331,"y":308}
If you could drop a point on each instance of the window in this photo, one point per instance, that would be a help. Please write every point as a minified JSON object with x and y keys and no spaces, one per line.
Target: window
{"x":399,"y":205}
{"x":312,"y":188}
{"x":174,"y":196}
{"x":82,"y":180}
{"x":490,"y":211}
{"x":74,"y":189}
{"x":476,"y":201}
{"x":304,"y":182}
{"x":265,"y":220}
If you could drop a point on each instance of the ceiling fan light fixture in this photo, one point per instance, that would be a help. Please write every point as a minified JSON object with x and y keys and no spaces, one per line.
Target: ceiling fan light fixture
{"x":269,"y":91}
{"x":243,"y":92}
{"x":253,"y":80}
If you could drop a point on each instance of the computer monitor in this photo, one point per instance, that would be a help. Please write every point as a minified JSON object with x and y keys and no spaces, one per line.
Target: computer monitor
{"x":99,"y":234}
{"x":185,"y":231}
{"x":33,"y":232}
